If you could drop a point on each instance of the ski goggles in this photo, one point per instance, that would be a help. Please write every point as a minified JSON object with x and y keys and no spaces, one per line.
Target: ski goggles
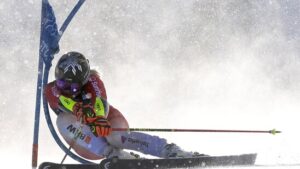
{"x":67,"y":86}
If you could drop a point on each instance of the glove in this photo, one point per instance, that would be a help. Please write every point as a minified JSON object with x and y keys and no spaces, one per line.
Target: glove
{"x":100,"y":126}
{"x":84,"y":113}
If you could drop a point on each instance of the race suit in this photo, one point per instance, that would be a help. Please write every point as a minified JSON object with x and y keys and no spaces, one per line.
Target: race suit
{"x":80,"y":137}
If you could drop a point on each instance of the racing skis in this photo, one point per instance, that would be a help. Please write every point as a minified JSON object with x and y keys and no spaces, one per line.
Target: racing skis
{"x":204,"y":161}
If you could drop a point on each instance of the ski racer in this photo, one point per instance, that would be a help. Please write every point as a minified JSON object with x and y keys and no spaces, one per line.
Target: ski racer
{"x":85,"y":119}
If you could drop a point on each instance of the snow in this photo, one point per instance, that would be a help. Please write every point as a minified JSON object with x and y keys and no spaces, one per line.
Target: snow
{"x":166,"y":64}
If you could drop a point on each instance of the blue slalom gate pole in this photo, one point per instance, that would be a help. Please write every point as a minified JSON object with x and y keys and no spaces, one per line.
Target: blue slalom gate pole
{"x":70,"y":17}
{"x":38,"y":102}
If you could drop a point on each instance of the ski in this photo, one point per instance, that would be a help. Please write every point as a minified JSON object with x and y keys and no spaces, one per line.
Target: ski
{"x":205,"y":161}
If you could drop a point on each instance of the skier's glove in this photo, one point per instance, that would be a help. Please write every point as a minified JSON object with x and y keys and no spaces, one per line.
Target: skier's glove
{"x":100,"y":126}
{"x":84,"y":113}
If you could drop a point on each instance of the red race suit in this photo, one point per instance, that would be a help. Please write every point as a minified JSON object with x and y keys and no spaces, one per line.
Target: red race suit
{"x":76,"y":134}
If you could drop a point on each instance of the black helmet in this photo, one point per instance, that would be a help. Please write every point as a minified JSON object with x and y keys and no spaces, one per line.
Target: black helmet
{"x":73,"y":67}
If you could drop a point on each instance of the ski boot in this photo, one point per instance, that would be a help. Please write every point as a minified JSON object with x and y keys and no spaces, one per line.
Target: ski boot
{"x":121,"y":154}
{"x":174,"y":151}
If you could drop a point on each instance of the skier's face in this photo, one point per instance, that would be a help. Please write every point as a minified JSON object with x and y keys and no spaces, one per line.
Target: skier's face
{"x":68,"y":88}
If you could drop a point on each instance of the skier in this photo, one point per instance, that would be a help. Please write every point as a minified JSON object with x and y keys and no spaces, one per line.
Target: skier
{"x":85,"y":119}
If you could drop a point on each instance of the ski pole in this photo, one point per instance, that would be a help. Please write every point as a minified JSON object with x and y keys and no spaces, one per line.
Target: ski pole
{"x":273,"y":131}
